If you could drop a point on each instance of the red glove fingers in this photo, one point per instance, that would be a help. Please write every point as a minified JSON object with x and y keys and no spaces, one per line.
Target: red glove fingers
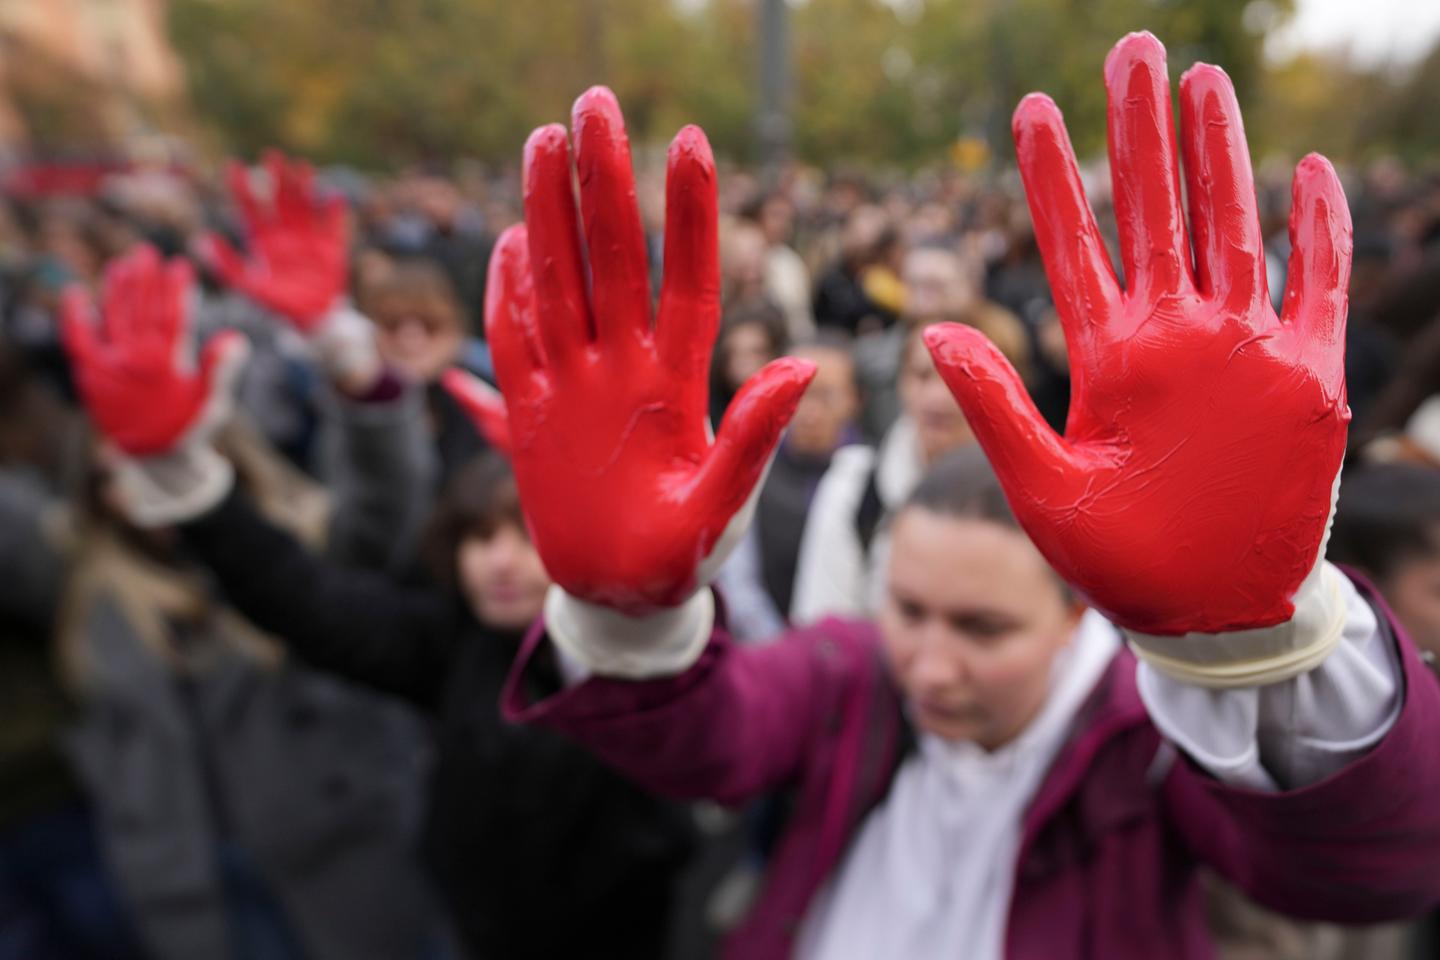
{"x":299,"y":243}
{"x":130,"y":364}
{"x":624,"y":492}
{"x":1193,"y":484}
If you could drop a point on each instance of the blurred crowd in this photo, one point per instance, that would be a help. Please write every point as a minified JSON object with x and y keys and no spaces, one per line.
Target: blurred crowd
{"x":278,"y":736}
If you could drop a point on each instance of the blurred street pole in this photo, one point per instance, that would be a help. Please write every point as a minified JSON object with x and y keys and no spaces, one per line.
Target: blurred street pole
{"x":772,"y":120}
{"x":1002,"y":98}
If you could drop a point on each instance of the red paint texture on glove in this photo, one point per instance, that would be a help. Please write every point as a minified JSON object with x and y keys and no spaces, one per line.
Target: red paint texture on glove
{"x":1192,"y":486}
{"x":130,"y":364}
{"x":298,"y":243}
{"x":623,"y":489}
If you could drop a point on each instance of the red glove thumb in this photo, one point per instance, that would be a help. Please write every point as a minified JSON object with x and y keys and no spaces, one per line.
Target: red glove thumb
{"x":1016,"y":438}
{"x":749,"y":432}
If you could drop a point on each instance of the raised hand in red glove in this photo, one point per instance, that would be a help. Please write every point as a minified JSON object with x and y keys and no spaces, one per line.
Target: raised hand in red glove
{"x":298,"y":244}
{"x":147,"y":390}
{"x":625,"y":493}
{"x":135,"y":368}
{"x":1192,"y":489}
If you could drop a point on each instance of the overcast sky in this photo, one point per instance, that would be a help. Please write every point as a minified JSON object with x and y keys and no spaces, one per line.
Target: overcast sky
{"x":1373,"y":31}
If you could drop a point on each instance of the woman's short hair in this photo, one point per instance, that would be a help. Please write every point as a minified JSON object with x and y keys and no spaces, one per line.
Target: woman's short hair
{"x":963,"y":484}
{"x":478,"y":499}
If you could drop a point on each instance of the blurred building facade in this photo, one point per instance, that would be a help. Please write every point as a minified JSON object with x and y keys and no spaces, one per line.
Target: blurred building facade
{"x":84,"y":71}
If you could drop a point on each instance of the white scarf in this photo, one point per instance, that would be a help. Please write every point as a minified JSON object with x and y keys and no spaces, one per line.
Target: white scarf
{"x":932,"y":869}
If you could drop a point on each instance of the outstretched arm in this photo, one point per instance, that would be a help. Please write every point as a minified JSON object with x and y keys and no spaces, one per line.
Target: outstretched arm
{"x":630,"y":502}
{"x":1190,"y":496}
{"x":158,"y":405}
{"x":351,"y":622}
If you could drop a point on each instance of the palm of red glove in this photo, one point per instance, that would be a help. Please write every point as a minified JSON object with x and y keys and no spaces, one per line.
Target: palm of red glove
{"x":1193,"y":485}
{"x":131,"y":368}
{"x":623,"y":490}
{"x":298,"y":244}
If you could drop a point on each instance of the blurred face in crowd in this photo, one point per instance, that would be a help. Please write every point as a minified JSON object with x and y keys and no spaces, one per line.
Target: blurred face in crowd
{"x":829,"y":404}
{"x":438,"y":201}
{"x":927,"y":401}
{"x":743,"y":248}
{"x":937,"y":286}
{"x":418,"y":331}
{"x":1413,"y":592}
{"x":972,"y":621}
{"x":777,"y":219}
{"x":747,"y":347}
{"x":860,"y":238}
{"x":501,"y":577}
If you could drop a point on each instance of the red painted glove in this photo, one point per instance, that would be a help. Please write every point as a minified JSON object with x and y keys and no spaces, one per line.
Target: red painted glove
{"x":135,"y":369}
{"x":148,"y":392}
{"x":1192,"y":489}
{"x":298,"y":241}
{"x":625,"y":494}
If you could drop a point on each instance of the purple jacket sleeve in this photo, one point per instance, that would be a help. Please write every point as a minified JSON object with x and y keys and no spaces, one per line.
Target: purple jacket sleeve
{"x":1361,"y":846}
{"x":740,"y":721}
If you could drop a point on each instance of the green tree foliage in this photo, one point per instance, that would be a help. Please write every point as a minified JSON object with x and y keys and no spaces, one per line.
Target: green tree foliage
{"x":885,"y":82}
{"x":384,"y":81}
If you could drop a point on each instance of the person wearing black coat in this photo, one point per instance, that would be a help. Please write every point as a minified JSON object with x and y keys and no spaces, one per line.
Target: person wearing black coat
{"x":539,"y":850}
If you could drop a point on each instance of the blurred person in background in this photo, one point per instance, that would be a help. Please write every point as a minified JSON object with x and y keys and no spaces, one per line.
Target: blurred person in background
{"x":758,"y":581}
{"x":911,"y":411}
{"x":787,"y":279}
{"x":422,"y":331}
{"x":250,"y":806}
{"x":743,"y":257}
{"x":523,"y":827}
{"x":752,"y":333}
{"x":1387,"y":527}
{"x":431,"y":218}
{"x":940,"y":285}
{"x":845,"y":294}
{"x":297,"y":267}
{"x":58,"y":900}
{"x":843,"y":551}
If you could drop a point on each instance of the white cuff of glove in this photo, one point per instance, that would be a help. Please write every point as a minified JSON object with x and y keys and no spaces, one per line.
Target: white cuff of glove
{"x":605,"y":642}
{"x":174,"y":487}
{"x":597,"y":640}
{"x":1288,"y":735}
{"x":344,"y":346}
{"x":1253,"y":658}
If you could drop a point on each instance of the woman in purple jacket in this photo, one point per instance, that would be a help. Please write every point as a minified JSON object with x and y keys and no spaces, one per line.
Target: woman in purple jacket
{"x":987,"y":771}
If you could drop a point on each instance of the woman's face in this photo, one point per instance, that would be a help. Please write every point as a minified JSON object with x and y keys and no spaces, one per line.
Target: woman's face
{"x":419,"y":335}
{"x":502,"y":577}
{"x":927,"y":401}
{"x":829,"y":404}
{"x":972,"y":620}
{"x":747,"y":349}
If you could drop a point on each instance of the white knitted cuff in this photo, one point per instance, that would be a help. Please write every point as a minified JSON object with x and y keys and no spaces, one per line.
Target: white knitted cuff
{"x":608,"y":643}
{"x":344,"y":345}
{"x":1254,"y":658}
{"x":172,"y":488}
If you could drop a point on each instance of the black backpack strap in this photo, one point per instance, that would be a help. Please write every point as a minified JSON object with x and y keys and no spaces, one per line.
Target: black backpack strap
{"x":871,"y":509}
